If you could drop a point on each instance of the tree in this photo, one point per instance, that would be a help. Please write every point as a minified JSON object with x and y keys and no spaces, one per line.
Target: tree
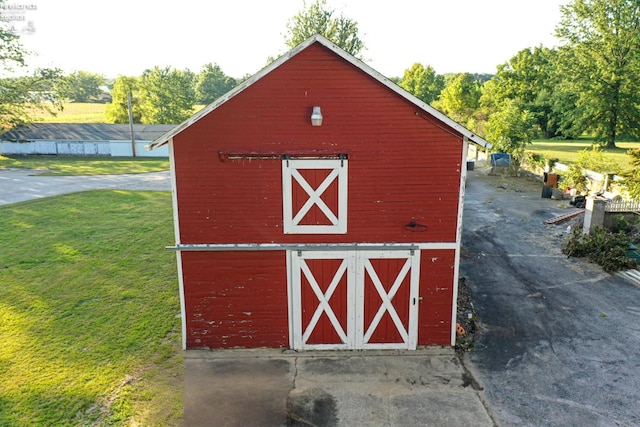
{"x":529,"y":78}
{"x":81,"y":86}
{"x":510,"y":130}
{"x":317,"y":19}
{"x":118,"y":110}
{"x":632,"y":176}
{"x":212,"y":83}
{"x":423,"y":82}
{"x":602,"y":64}
{"x":20,"y":96}
{"x":460,"y":97}
{"x":167,"y":95}
{"x":12,"y":53}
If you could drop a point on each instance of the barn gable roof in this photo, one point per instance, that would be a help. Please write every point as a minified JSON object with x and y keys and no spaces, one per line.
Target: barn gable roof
{"x":344,"y":55}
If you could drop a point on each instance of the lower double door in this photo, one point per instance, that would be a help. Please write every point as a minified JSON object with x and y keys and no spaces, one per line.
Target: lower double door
{"x":355,"y":299}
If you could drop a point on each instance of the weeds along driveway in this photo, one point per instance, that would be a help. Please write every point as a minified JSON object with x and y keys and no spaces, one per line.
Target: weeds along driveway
{"x":19,"y":185}
{"x":559,"y":338}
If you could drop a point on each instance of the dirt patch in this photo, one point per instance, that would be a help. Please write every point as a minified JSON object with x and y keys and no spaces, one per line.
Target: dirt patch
{"x":314,"y":407}
{"x":466,"y":318}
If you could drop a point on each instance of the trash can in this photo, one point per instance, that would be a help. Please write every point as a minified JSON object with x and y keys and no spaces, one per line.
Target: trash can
{"x":471,"y":165}
{"x":551,"y":179}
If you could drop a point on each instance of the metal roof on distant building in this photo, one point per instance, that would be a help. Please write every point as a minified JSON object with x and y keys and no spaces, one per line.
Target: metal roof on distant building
{"x":84,"y":132}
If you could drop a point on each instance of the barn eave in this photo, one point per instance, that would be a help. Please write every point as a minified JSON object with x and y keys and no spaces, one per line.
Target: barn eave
{"x":467,"y":134}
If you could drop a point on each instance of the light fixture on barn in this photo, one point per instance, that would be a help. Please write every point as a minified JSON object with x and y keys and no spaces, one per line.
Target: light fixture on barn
{"x":316,"y":117}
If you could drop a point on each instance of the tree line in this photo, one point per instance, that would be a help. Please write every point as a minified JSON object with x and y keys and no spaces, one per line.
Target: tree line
{"x":590,"y":84}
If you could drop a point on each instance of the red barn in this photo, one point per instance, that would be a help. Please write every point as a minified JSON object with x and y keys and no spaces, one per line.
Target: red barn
{"x":318,"y":206}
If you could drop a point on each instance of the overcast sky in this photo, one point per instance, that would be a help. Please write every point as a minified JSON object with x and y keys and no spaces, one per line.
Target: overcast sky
{"x":125,"y":37}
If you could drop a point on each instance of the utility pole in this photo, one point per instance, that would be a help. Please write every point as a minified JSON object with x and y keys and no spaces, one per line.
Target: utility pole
{"x":133,"y":138}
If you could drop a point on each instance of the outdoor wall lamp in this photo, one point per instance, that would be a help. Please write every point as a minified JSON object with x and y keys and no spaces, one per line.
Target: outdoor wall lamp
{"x":316,"y":117}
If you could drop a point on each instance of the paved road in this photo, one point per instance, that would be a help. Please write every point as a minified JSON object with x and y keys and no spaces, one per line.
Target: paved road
{"x":560,"y":338}
{"x":18,"y":185}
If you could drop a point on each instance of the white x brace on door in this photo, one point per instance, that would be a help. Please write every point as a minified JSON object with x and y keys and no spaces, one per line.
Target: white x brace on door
{"x":358,"y":299}
{"x":314,"y":196}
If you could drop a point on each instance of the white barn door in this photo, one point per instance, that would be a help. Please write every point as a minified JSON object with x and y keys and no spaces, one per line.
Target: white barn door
{"x":365,"y":299}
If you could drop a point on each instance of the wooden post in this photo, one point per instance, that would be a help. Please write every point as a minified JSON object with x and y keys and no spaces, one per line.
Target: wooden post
{"x":133,"y":138}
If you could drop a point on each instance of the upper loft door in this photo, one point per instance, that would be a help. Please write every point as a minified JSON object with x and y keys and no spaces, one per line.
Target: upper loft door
{"x":314,"y":196}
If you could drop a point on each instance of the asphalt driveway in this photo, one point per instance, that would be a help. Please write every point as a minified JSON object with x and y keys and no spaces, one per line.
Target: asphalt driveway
{"x":559,"y":337}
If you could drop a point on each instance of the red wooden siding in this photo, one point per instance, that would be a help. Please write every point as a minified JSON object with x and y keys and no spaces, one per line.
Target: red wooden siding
{"x":239,"y":299}
{"x":402,"y":167}
{"x":436,"y":289}
{"x":235,"y":299}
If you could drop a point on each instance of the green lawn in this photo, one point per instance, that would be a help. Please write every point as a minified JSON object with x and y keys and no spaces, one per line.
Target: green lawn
{"x":567,"y":151}
{"x":74,"y":112}
{"x":89,"y":312}
{"x":80,"y":112}
{"x":80,"y":165}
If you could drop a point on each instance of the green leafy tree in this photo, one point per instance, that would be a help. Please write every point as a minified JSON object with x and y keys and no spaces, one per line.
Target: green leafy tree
{"x":601,"y":64}
{"x":530,"y":79}
{"x":118,"y":110}
{"x":460,"y":97}
{"x":632,"y":176}
{"x":21,"y":96}
{"x":510,"y":131}
{"x":167,"y":95}
{"x":212,"y":83}
{"x":423,"y":82}
{"x":317,"y":19}
{"x":12,"y":54}
{"x":81,"y":86}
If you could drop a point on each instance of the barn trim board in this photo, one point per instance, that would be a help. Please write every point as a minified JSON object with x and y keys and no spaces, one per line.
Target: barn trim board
{"x":456,"y":271}
{"x":311,"y":246}
{"x":176,"y":230}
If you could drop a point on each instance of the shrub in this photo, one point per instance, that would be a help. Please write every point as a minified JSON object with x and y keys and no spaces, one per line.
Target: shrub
{"x":594,"y":160}
{"x":607,"y":249}
{"x":632,"y":176}
{"x":534,"y":159}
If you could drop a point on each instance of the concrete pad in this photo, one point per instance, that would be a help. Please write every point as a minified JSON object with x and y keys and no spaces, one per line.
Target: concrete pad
{"x":277,"y":388}
{"x":226,"y":392}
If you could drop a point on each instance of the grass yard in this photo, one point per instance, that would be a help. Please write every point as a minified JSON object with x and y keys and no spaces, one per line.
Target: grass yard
{"x":567,"y":151}
{"x":79,"y":165}
{"x":80,"y":112}
{"x":89,"y":312}
{"x":74,"y":112}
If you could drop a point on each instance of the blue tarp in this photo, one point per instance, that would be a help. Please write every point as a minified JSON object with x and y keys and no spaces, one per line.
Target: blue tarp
{"x":500,"y":159}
